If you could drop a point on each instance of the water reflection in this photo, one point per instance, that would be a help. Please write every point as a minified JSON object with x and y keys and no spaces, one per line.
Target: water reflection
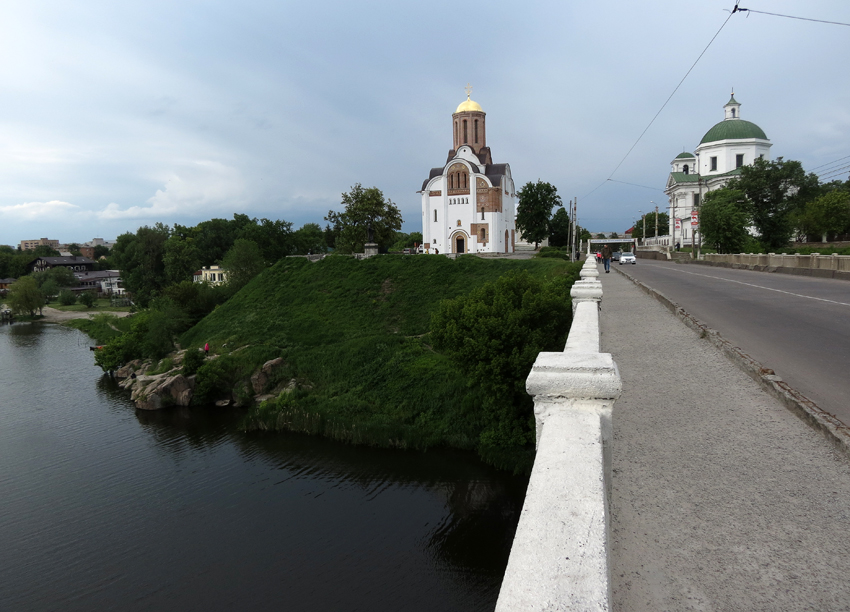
{"x":109,"y":507}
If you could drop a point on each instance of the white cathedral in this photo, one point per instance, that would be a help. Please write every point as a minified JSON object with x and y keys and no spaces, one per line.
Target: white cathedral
{"x":721,"y":153}
{"x":469,"y":203}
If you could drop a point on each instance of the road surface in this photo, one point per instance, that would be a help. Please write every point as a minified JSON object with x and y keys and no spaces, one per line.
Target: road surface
{"x":797,"y":326}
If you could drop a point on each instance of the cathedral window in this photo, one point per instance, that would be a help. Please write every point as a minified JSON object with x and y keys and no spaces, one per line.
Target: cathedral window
{"x":739,"y":160}
{"x":733,"y":113}
{"x":435,"y":215}
{"x":465,"y":138}
{"x":456,"y":133}
{"x":483,"y":235}
{"x":476,"y":131}
{"x":685,"y":169}
{"x":713,"y":161}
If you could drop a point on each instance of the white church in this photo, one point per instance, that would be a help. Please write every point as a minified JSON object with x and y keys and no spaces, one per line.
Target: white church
{"x":469,"y":203}
{"x":721,"y":153}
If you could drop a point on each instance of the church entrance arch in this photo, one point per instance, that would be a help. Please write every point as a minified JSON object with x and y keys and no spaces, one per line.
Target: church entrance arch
{"x":460,"y":242}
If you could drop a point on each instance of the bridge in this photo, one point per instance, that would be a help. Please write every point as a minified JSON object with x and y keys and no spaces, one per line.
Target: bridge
{"x":668,"y":478}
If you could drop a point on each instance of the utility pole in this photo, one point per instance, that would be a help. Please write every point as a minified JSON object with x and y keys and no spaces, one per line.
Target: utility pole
{"x":656,"y":220}
{"x":570,"y":232}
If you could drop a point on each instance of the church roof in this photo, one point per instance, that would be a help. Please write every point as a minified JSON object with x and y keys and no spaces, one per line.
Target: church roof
{"x":733,"y":129}
{"x":685,"y":155}
{"x":681,"y":177}
{"x":732,"y":100}
{"x":469,"y":105}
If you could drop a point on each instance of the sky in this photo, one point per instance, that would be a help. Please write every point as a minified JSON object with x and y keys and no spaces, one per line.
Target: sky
{"x":119,"y":115}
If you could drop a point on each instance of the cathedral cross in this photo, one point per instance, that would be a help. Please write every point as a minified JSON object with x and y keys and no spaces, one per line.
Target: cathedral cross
{"x":468,"y":89}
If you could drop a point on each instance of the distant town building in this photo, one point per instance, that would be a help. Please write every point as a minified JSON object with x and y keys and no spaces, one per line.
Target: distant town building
{"x":720,"y":155}
{"x":214,"y":275}
{"x":75,"y":263}
{"x":104,"y":281}
{"x":468,"y":204}
{"x":31,"y":245}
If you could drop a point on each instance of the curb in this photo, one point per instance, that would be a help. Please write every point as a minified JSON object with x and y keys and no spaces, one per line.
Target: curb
{"x":835,"y":431}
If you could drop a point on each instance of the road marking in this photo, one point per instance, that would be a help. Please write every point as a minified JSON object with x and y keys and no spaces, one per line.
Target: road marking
{"x":729,"y":280}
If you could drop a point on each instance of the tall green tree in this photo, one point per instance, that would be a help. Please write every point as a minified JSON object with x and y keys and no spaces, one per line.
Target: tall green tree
{"x":724,"y":220}
{"x":180,"y":259}
{"x":362,"y":208}
{"x":242,"y":262}
{"x":274,"y":238}
{"x":309,"y":238}
{"x":140,"y":256}
{"x":559,"y":228}
{"x":649,"y":221}
{"x":775,"y":190}
{"x":534,"y":210}
{"x":25,"y":297}
{"x":827,"y":215}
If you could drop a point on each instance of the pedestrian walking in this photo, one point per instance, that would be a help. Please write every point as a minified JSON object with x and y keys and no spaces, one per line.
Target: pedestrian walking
{"x":606,"y":257}
{"x":206,"y":349}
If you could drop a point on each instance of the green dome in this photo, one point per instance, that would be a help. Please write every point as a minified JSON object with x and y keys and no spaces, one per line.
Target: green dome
{"x":685,"y":156}
{"x":733,"y":129}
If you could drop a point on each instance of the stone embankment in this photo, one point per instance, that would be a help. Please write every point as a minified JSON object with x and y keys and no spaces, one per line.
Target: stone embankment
{"x":154,"y":391}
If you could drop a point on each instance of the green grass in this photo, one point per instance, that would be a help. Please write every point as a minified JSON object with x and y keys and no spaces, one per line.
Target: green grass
{"x":101,"y":326}
{"x":101,"y":305}
{"x":355,"y":336}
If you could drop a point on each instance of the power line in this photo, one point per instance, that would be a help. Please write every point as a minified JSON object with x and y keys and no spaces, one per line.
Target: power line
{"x":834,"y":172}
{"x":830,"y":163}
{"x":636,"y":185}
{"x":666,"y":101}
{"x":792,"y":17}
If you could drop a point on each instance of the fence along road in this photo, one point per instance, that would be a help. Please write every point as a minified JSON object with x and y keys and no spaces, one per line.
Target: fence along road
{"x":797,"y":326}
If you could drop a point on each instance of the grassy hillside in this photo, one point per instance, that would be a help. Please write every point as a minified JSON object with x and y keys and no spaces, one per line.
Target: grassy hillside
{"x":354,"y":334}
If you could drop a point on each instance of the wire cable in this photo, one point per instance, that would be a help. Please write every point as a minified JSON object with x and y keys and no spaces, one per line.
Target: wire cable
{"x":636,"y":185}
{"x":740,"y":10}
{"x":716,"y":34}
{"x":830,"y":163}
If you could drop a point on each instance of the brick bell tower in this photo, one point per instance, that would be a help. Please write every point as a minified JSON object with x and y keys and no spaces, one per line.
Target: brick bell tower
{"x":469,"y":128}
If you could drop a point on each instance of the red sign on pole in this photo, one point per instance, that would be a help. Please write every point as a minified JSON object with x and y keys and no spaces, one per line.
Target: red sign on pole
{"x":678,"y":224}
{"x":694,"y":217}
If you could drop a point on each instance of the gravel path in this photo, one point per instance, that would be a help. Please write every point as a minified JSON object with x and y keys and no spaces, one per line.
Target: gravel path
{"x":722,"y":499}
{"x":53,"y":315}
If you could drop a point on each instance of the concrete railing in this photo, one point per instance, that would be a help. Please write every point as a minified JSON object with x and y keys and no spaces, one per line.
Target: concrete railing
{"x":560,"y":555}
{"x":831,"y":266}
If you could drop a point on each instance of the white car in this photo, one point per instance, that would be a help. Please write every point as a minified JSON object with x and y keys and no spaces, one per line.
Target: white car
{"x":628,"y":258}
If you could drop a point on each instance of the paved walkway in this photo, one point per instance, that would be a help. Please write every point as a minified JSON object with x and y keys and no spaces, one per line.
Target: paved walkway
{"x":722,"y":499}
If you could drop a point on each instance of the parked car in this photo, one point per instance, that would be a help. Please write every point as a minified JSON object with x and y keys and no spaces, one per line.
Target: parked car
{"x":628,"y":258}
{"x":616,"y":255}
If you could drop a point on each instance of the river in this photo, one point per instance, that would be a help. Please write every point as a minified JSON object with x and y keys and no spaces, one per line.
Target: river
{"x":103,"y":507}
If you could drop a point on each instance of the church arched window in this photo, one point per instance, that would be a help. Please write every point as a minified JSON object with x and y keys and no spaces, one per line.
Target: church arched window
{"x":435,"y":215}
{"x":451,"y":181}
{"x":455,"y":132}
{"x":483,"y":235}
{"x":465,"y":138}
{"x":476,"y":131}
{"x":685,"y":169}
{"x":733,"y":113}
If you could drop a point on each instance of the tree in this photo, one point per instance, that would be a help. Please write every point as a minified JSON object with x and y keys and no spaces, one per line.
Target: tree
{"x":724,"y":220}
{"x":50,"y":288}
{"x":180,"y":259}
{"x":139,"y":256}
{"x":559,"y":228}
{"x":827,"y":215}
{"x":649,"y":220}
{"x":774,"y":190}
{"x":25,"y":297}
{"x":87,"y":298}
{"x":242,"y":263}
{"x":74,"y":249}
{"x":100,"y":251}
{"x":42,"y":250}
{"x":274,"y":238}
{"x":615,"y":235}
{"x":67,"y":297}
{"x":363,"y":206}
{"x":534,"y":211}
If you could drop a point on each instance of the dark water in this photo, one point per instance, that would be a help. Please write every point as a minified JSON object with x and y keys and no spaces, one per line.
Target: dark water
{"x":106,"y":508}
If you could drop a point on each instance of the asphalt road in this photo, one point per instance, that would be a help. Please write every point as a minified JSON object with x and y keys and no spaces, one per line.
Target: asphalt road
{"x":797,"y":326}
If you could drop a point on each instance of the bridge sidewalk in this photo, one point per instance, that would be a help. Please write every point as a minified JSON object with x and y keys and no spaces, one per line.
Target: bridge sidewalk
{"x":722,"y":499}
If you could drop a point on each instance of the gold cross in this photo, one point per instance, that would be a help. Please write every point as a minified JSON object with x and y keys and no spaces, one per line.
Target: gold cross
{"x":468,"y":89}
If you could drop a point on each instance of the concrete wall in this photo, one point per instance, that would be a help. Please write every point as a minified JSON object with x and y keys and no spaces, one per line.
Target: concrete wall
{"x":560,"y":555}
{"x":825,"y":266}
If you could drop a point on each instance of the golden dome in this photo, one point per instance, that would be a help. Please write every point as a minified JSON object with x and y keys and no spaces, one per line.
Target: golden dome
{"x":469,"y":105}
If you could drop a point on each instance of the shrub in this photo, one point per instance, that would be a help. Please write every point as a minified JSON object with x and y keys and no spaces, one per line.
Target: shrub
{"x":67,"y":298}
{"x":88,"y":299}
{"x":192,"y":361}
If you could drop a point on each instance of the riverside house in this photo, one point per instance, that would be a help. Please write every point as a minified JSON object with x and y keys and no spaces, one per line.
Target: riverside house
{"x":75,"y":263}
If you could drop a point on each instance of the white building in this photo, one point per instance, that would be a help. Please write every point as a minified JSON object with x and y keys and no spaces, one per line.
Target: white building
{"x":721,"y":153}
{"x":469,"y":204}
{"x":214,"y":275}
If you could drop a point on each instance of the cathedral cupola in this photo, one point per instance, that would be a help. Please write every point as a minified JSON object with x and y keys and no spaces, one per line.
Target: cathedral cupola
{"x":468,"y":125}
{"x":732,"y":108}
